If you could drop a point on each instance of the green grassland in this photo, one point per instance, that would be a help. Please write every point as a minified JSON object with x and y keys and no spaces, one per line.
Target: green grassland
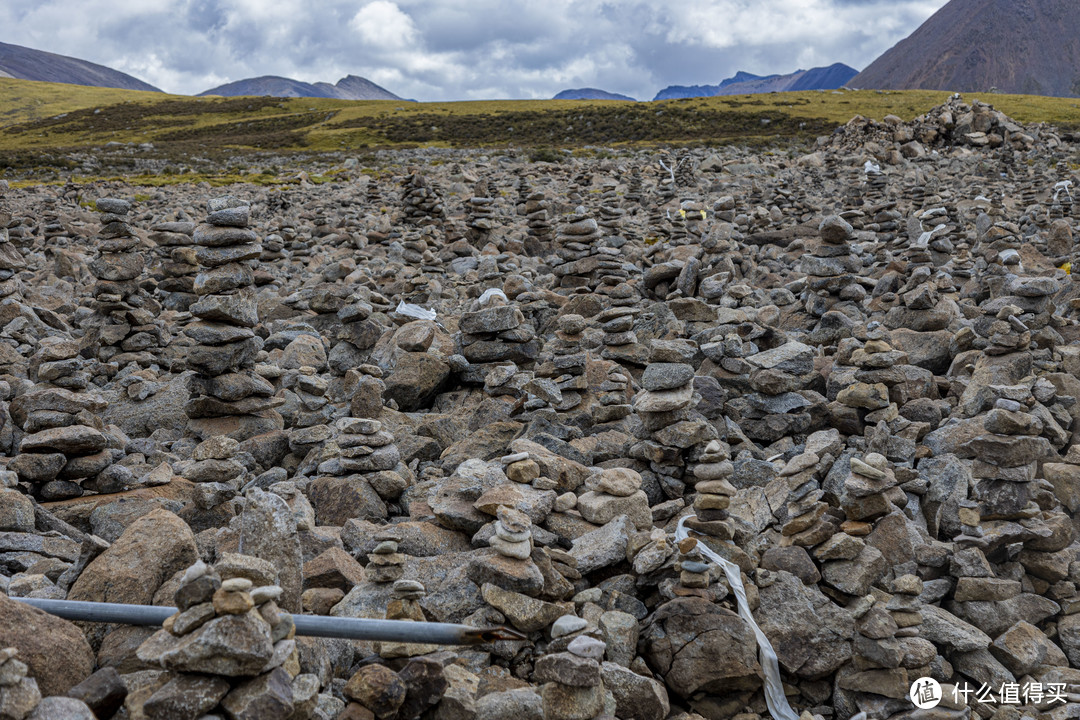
{"x":41,"y":124}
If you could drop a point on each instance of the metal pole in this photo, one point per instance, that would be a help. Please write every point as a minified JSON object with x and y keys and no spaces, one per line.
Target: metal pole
{"x":430,"y":633}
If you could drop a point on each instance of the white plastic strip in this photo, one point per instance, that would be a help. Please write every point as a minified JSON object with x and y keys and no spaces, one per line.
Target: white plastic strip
{"x":414,"y":311}
{"x":492,"y":293}
{"x":774,"y":687}
{"x":1063,"y":185}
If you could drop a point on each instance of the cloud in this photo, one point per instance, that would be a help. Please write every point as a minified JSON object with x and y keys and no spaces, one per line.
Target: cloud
{"x":439,"y":50}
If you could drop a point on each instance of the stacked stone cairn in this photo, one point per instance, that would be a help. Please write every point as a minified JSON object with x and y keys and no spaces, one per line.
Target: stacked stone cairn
{"x":405,"y":605}
{"x":573,"y":688}
{"x":63,"y":444}
{"x":19,"y":693}
{"x":179,"y":266}
{"x":497,"y":333}
{"x":620,"y":341}
{"x":227,"y":396}
{"x":830,"y":265}
{"x":128,"y":332}
{"x":613,"y":401}
{"x":669,"y":424}
{"x":567,"y":360}
{"x":879,"y":682}
{"x":386,"y":564}
{"x":614,"y":492}
{"x":577,"y":245}
{"x":228,"y":647}
{"x":422,"y":202}
{"x":364,"y":464}
{"x":481,"y":209}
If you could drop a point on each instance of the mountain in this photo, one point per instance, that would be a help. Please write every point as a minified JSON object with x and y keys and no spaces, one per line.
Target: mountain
{"x":1016,"y":46}
{"x":26,"y":63}
{"x":591,"y":94}
{"x":743,"y":83}
{"x":349,"y":87}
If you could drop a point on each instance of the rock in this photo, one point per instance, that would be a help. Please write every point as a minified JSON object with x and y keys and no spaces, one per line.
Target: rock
{"x":269,"y":532}
{"x":699,"y":647}
{"x":61,"y":708}
{"x":635,"y":696}
{"x":602,"y":547}
{"x":233,"y":645}
{"x":54,"y":650}
{"x":377,"y":688}
{"x":103,"y":692}
{"x":267,"y":696}
{"x":186,"y":697}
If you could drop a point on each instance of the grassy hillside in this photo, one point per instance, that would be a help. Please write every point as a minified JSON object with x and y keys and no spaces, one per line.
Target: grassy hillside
{"x":41,"y":124}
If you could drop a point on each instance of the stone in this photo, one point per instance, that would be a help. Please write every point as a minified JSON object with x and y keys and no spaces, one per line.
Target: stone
{"x":378,"y":688}
{"x":269,"y":696}
{"x":186,"y":697}
{"x":55,"y":650}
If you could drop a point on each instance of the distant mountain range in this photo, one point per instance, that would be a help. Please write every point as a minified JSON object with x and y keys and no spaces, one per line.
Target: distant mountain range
{"x":25,"y":63}
{"x":350,"y":87}
{"x":744,"y":83}
{"x":1016,"y":46}
{"x":591,"y":94}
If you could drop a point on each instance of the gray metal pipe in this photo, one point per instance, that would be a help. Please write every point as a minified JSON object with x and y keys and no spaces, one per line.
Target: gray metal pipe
{"x":429,"y":633}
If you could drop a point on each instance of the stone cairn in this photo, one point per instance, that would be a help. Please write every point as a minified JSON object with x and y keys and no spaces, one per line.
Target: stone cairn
{"x":227,"y":396}
{"x":576,"y":246}
{"x":513,"y":534}
{"x":613,"y":401}
{"x":386,"y":564}
{"x":421,"y":200}
{"x":11,"y":258}
{"x":878,"y":677}
{"x":179,"y":266}
{"x":63,"y":445}
{"x":497,"y":333}
{"x":405,"y":605}
{"x":228,"y":647}
{"x":830,"y":265}
{"x":567,"y":360}
{"x":481,"y":214}
{"x":665,"y":402}
{"x":19,"y":693}
{"x":619,"y":339}
{"x":614,"y":492}
{"x":573,"y":688}
{"x":128,"y":333}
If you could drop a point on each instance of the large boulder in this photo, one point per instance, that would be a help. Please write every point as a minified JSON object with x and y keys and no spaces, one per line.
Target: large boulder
{"x":697,"y":646}
{"x":150,"y":551}
{"x":55,"y":651}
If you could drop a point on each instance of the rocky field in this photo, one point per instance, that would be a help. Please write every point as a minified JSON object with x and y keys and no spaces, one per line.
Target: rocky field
{"x":718,"y":433}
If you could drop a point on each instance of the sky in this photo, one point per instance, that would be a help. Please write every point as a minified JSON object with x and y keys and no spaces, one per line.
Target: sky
{"x":434,"y":50}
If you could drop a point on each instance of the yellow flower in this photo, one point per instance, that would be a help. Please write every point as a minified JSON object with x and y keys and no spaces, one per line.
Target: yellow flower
{"x":1067,"y":267}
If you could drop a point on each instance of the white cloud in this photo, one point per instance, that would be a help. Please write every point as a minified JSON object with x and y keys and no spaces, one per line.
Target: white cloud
{"x":383,"y":24}
{"x":443,"y":50}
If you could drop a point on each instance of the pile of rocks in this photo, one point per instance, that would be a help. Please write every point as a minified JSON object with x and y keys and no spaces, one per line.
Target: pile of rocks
{"x":125,"y":314}
{"x":421,"y":200}
{"x":228,"y":397}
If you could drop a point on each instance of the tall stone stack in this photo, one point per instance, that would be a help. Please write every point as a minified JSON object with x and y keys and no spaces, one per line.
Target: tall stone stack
{"x":878,"y":682}
{"x":228,"y":397}
{"x":128,"y":332}
{"x":364,"y":468}
{"x":19,"y":693}
{"x":481,"y":211}
{"x":175,"y":290}
{"x":497,"y":333}
{"x":1006,"y":460}
{"x":63,"y":443}
{"x":830,"y":265}
{"x":575,"y":243}
{"x":539,"y":232}
{"x":229,"y":647}
{"x":669,"y":424}
{"x":11,"y":258}
{"x":634,"y":187}
{"x":421,"y":199}
{"x":620,"y":341}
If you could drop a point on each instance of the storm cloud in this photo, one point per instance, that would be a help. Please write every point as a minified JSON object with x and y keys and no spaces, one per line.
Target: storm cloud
{"x":447,"y":50}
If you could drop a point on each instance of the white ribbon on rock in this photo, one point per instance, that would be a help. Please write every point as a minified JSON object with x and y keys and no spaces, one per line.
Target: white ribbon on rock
{"x":414,"y":311}
{"x":774,"y":686}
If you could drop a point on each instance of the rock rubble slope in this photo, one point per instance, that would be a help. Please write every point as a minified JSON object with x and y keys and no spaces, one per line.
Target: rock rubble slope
{"x":468,"y":388}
